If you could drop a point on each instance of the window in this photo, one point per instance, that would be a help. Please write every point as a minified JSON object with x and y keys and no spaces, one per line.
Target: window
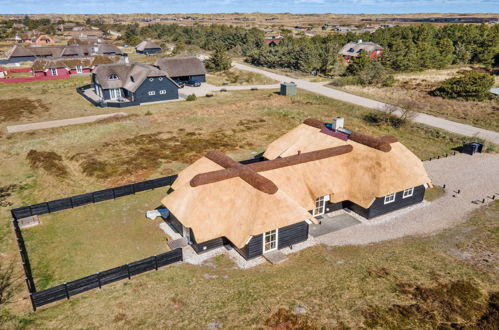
{"x":389,"y":198}
{"x":112,"y":77}
{"x":151,"y":79}
{"x":408,"y":193}
{"x":160,"y":78}
{"x":162,"y":91}
{"x":151,"y":93}
{"x":79,"y":69}
{"x":270,"y":241}
{"x":320,"y":206}
{"x":132,"y":79}
{"x":53,"y":72}
{"x":115,"y":93}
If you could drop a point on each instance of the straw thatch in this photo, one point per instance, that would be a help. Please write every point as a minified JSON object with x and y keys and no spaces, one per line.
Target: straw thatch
{"x":230,"y":207}
{"x":181,"y":66}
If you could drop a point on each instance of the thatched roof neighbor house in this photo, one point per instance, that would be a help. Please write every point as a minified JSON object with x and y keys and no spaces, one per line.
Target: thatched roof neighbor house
{"x":22,"y":54}
{"x":147,"y":47}
{"x":132,"y":84}
{"x":67,"y":66}
{"x":183,"y":69}
{"x":268,"y":204}
{"x":354,"y":49}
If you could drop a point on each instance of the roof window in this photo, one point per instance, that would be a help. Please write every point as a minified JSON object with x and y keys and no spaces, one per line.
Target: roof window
{"x":112,"y":76}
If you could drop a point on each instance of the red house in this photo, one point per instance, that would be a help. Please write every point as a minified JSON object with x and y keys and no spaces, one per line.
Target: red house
{"x":354,"y":49}
{"x":65,"y":67}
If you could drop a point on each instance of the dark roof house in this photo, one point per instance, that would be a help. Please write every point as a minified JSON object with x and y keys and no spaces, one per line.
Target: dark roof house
{"x":183,"y":69}
{"x":271,"y":202}
{"x":127,"y":84}
{"x":147,"y":47}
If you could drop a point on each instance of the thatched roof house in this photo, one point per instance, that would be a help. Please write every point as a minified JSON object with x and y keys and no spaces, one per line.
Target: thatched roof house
{"x":354,"y":49}
{"x":147,"y":47}
{"x":216,"y":197}
{"x":183,"y":69}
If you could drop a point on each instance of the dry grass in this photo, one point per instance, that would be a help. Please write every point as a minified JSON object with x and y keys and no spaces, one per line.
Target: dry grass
{"x":407,"y":283}
{"x":77,"y":242}
{"x":412,"y":91}
{"x":238,"y":77}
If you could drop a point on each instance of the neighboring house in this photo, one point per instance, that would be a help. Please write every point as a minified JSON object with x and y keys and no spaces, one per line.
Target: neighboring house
{"x":83,"y":34}
{"x":36,"y":38}
{"x":132,"y":84}
{"x":66,"y":67}
{"x":66,"y":26}
{"x":183,"y":69}
{"x":23,"y":54}
{"x":147,"y":47}
{"x":18,"y":26}
{"x":354,"y":49}
{"x":88,"y":40}
{"x":272,"y":41}
{"x":269,"y":204}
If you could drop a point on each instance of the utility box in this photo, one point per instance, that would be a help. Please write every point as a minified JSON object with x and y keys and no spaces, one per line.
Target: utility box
{"x":288,"y":88}
{"x":472,"y":148}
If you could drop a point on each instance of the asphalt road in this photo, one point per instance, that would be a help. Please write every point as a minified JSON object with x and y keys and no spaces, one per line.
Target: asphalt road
{"x":429,"y":120}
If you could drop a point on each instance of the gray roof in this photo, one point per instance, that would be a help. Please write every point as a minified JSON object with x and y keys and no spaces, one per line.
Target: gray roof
{"x":43,"y":64}
{"x":181,"y":66}
{"x":59,"y":51}
{"x":146,"y":44}
{"x":130,"y":75}
{"x":354,"y":48}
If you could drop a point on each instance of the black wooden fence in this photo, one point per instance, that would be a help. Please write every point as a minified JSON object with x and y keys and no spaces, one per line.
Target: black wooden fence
{"x":66,"y":290}
{"x":97,"y":280}
{"x":93,"y":197}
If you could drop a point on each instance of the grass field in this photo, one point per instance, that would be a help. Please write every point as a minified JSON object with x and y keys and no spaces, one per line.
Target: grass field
{"x":412,"y":91}
{"x":162,"y":139}
{"x":238,"y":77}
{"x":77,"y":242}
{"x":441,"y":281}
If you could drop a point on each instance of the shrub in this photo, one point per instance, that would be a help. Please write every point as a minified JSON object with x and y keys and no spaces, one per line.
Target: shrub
{"x":344,"y":81}
{"x":219,"y":61}
{"x":49,"y":161}
{"x":473,"y":86}
{"x":191,"y":97}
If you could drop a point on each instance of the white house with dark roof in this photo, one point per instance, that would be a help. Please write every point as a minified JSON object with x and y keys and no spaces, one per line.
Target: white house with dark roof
{"x":147,"y":47}
{"x":354,"y":49}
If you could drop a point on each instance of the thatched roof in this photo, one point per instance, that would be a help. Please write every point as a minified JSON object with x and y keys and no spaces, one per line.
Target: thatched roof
{"x":213,"y":199}
{"x":146,"y":44}
{"x":181,"y":66}
{"x":130,"y":75}
{"x":71,"y":62}
{"x":355,"y":48}
{"x":60,"y":51}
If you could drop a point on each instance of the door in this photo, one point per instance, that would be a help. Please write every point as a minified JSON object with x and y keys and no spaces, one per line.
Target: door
{"x":115,"y":93}
{"x":270,"y":241}
{"x":320,"y":206}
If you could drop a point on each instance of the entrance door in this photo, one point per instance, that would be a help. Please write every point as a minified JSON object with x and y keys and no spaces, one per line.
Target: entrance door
{"x":320,"y":206}
{"x":270,"y":241}
{"x":115,"y":93}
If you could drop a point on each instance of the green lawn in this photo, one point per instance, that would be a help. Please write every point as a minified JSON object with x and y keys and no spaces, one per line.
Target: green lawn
{"x":410,"y":283}
{"x":77,"y":242}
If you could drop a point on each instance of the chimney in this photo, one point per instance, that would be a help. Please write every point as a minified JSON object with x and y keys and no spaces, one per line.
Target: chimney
{"x":337,"y":123}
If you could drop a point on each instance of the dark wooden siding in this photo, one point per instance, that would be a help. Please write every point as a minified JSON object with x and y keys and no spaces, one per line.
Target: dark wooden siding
{"x":287,"y":236}
{"x":149,"y":51}
{"x":142,"y":93}
{"x":175,"y":223}
{"x":330,"y":207}
{"x":209,"y":245}
{"x":292,"y":234}
{"x":378,"y":207}
{"x":198,"y":78}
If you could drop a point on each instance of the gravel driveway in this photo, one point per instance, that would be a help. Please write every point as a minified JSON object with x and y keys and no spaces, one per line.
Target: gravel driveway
{"x":476,"y":176}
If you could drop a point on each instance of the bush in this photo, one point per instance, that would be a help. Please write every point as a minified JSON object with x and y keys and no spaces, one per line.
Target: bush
{"x":473,"y":86}
{"x":219,"y":61}
{"x":191,"y":97}
{"x":344,"y":81}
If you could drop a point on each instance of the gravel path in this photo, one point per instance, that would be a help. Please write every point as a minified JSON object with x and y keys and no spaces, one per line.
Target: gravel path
{"x":476,"y":176}
{"x":62,"y":122}
{"x":429,"y":120}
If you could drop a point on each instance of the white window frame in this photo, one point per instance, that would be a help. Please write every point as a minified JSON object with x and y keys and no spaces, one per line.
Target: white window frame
{"x":151,"y":93}
{"x":113,"y":76}
{"x":160,"y":78}
{"x":320,"y":206}
{"x":408,"y":193}
{"x":114,"y":93}
{"x":162,"y":92}
{"x":151,"y":79}
{"x":79,"y":69}
{"x":273,"y":243}
{"x":54,"y":72}
{"x":390,"y":198}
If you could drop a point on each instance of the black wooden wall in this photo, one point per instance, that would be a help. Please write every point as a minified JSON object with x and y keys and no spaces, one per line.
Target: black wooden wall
{"x":378,"y":207}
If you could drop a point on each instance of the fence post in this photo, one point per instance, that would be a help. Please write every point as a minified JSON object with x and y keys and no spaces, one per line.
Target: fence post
{"x":32,"y":301}
{"x":155,"y":263}
{"x":128,"y":271}
{"x":66,"y":289}
{"x":98,"y":279}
